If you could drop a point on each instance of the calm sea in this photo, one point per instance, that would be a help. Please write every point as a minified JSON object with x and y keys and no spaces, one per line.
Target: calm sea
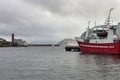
{"x":54,"y":63}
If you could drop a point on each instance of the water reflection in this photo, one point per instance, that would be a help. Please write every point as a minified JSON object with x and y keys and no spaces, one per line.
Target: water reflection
{"x":101,"y":60}
{"x":106,"y":67}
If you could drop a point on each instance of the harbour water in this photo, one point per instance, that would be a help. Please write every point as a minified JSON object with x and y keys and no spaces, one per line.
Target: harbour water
{"x":54,"y":63}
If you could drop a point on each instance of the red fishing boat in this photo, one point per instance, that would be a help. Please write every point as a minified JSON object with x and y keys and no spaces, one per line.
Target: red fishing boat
{"x":103,"y":39}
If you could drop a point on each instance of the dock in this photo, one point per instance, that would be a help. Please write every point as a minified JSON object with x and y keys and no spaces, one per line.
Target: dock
{"x":72,"y":48}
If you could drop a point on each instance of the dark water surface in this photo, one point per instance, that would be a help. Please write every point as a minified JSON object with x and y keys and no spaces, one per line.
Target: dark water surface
{"x":53,"y":63}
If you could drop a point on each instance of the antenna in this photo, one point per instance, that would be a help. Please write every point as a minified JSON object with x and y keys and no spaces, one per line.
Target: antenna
{"x":89,"y":24}
{"x":109,"y":15}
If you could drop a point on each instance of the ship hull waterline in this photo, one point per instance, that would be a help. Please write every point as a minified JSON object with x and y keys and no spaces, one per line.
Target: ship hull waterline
{"x":99,"y":48}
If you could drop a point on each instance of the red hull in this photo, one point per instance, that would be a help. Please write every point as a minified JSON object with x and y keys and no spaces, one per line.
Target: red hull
{"x":99,"y":48}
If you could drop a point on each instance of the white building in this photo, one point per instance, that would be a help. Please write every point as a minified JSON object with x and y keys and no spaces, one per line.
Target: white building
{"x":20,"y":42}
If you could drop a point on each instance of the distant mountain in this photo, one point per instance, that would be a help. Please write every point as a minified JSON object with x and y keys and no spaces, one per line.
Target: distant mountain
{"x":65,"y":41}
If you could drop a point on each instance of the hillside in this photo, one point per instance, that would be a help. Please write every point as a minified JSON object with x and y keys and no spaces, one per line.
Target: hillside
{"x":65,"y":41}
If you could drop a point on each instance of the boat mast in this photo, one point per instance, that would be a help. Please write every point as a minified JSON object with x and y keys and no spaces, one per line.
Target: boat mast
{"x":89,"y":24}
{"x":87,"y":32}
{"x":109,"y":16}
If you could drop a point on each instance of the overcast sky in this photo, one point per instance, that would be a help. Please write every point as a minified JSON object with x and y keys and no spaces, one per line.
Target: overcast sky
{"x":49,"y":21}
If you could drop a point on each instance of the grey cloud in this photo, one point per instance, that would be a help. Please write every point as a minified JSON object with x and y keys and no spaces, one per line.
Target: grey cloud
{"x":51,"y":20}
{"x":77,"y":7}
{"x":53,"y":5}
